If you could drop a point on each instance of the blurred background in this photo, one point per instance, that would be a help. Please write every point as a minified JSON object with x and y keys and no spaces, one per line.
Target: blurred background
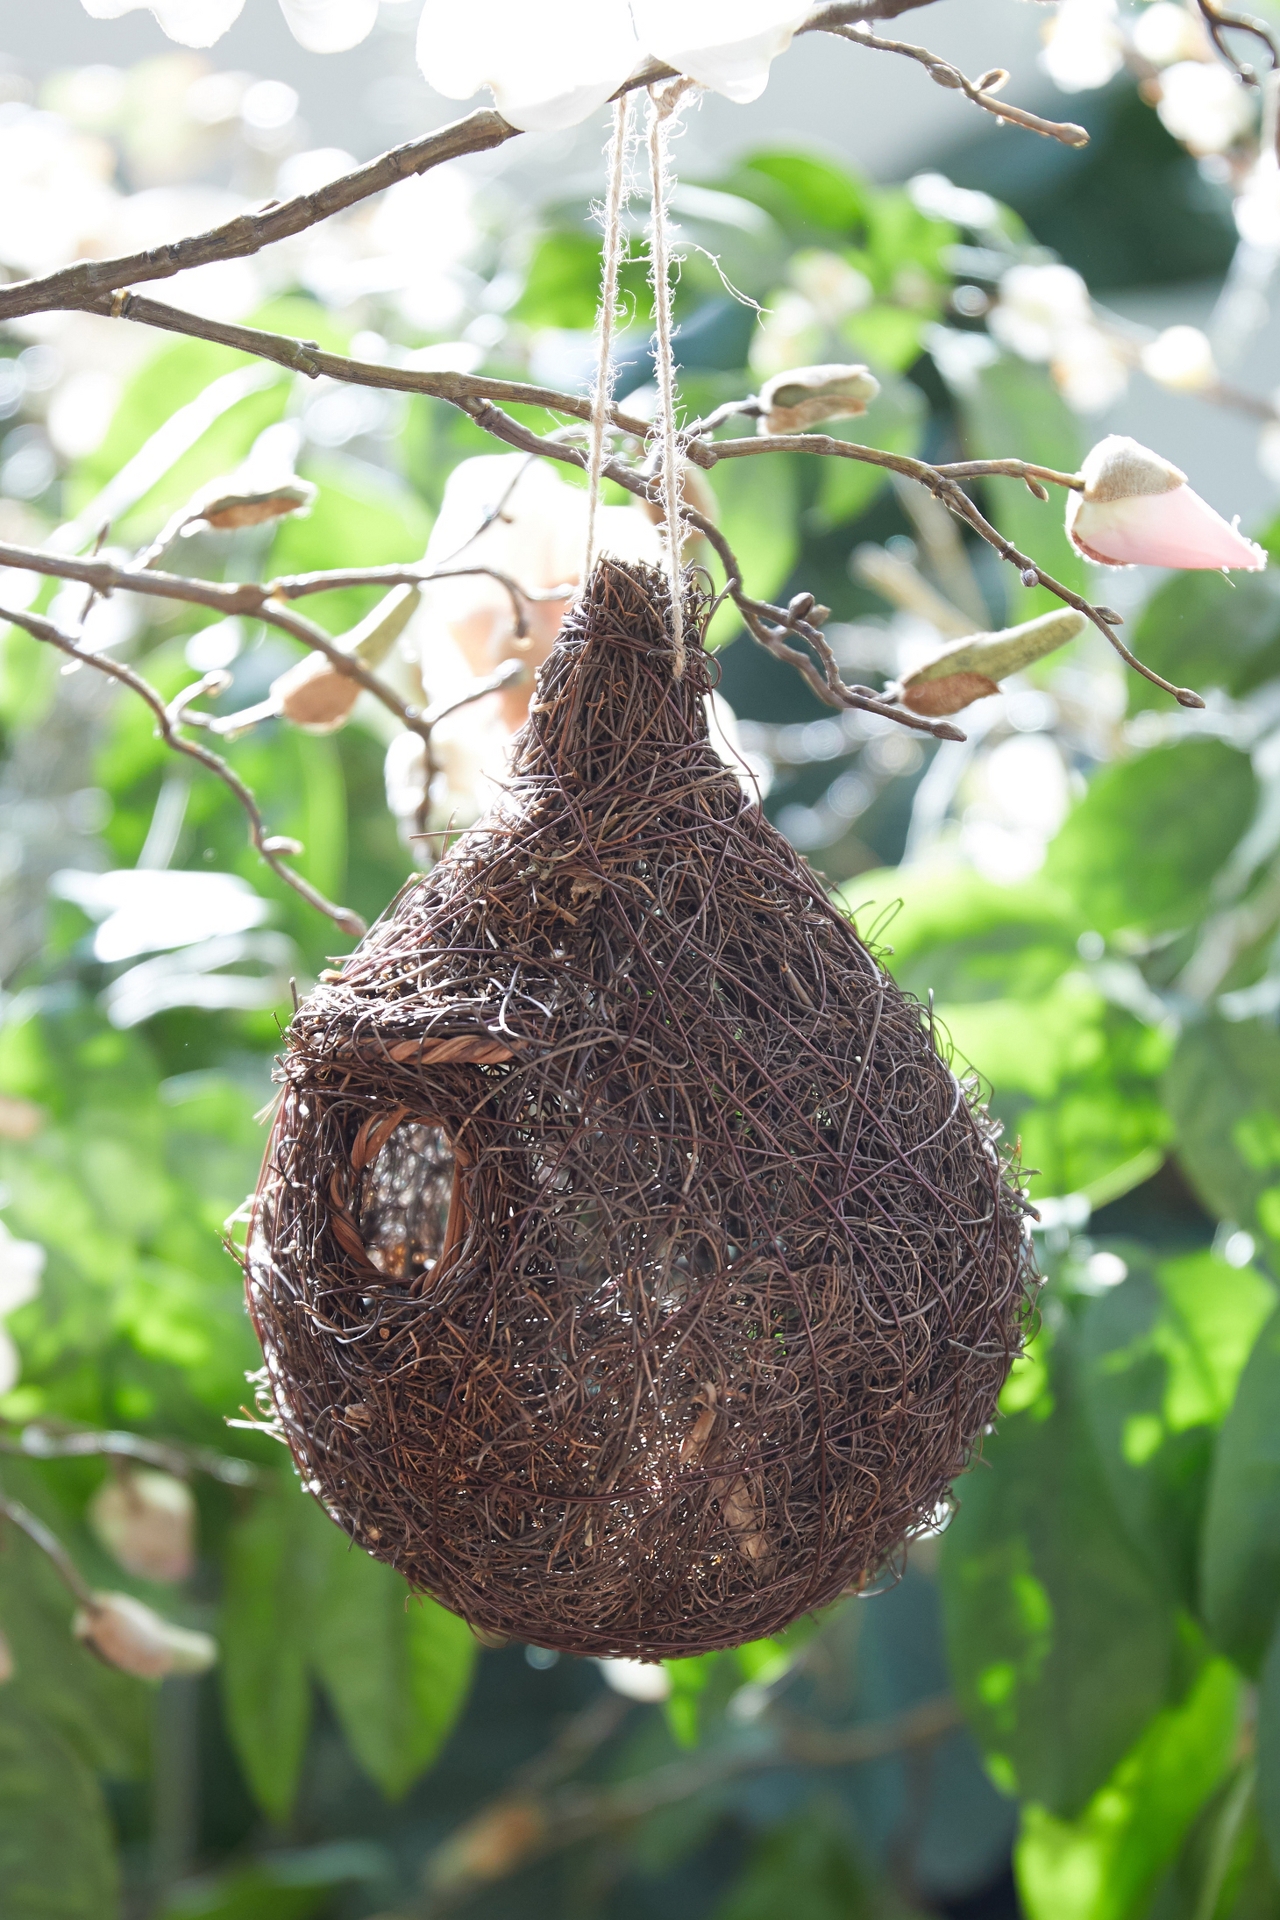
{"x":1088,"y":886}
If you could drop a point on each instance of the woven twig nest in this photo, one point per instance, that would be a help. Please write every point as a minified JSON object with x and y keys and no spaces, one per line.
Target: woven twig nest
{"x":631,"y":1270}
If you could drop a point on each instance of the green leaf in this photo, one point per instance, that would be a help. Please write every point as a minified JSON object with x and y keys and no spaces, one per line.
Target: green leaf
{"x":103,"y":1716}
{"x":1203,"y":630}
{"x":302,"y":1601}
{"x":1074,"y":1077}
{"x":803,"y":192}
{"x":1223,"y":1090}
{"x":1061,"y":1639}
{"x":562,"y":284}
{"x":396,"y":1668}
{"x":894,"y":422}
{"x":1161,"y":1357}
{"x":1269,"y":1750}
{"x":1240,"y":1565}
{"x":1105,"y":1864}
{"x":272,"y":1576}
{"x":284,"y":1886}
{"x":804,"y":1870}
{"x":57,"y":1856}
{"x":951,"y":933}
{"x":1142,"y":848}
{"x":757,"y":514}
{"x":1013,"y":405}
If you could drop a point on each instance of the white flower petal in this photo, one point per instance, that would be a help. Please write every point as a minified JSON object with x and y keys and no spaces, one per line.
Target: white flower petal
{"x":330,"y":26}
{"x":21,"y":1265}
{"x":726,"y":49}
{"x":548,"y":66}
{"x":196,"y":23}
{"x":110,"y":9}
{"x":10,"y":1364}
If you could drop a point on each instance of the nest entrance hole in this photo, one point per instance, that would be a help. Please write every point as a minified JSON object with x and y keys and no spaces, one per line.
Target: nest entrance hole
{"x":408,"y":1203}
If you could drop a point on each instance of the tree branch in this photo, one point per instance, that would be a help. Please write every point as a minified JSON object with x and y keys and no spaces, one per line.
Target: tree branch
{"x":49,"y":1545}
{"x":269,"y":847}
{"x":80,"y":286}
{"x":525,"y":1826}
{"x":40,"y":1442}
{"x":982,"y":92}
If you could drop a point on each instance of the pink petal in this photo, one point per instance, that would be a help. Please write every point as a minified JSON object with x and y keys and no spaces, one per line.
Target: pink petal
{"x":1173,"y":529}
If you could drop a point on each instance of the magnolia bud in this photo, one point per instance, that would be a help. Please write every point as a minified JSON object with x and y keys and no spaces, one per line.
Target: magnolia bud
{"x":6,"y":1659}
{"x":1136,"y":509}
{"x":315,"y":694}
{"x":147,"y":1521}
{"x":971,"y":669}
{"x":803,"y":396}
{"x":229,"y":511}
{"x":131,"y":1636}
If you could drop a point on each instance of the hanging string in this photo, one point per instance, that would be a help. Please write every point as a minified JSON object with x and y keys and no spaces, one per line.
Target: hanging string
{"x":602,"y":392}
{"x":661,"y":107}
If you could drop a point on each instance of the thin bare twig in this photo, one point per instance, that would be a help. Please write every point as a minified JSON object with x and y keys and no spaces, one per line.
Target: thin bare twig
{"x":983,"y":91}
{"x":1216,"y":19}
{"x":244,"y":598}
{"x":49,"y":1545}
{"x":268,"y":846}
{"x":524,"y":1826}
{"x":40,"y":1442}
{"x":79,"y":287}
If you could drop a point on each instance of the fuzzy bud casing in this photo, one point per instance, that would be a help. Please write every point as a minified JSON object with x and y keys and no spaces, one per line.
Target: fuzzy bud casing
{"x":803,"y":396}
{"x":136,"y":1639}
{"x":146,"y":1520}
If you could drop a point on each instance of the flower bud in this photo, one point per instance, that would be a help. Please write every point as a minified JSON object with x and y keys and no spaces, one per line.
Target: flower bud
{"x":1136,"y":509}
{"x":131,"y":1636}
{"x":315,"y":694}
{"x":230,"y":511}
{"x":972,"y":669}
{"x":147,"y":1521}
{"x":802,"y":396}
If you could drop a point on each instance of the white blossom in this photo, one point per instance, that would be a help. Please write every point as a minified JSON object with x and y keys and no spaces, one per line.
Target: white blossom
{"x":1204,"y":106}
{"x":192,"y":23}
{"x":323,"y":26}
{"x":1181,"y":359}
{"x":1083,"y":47}
{"x":21,"y":1267}
{"x":1257,"y":211}
{"x":1088,"y":369}
{"x":1164,"y":33}
{"x":553,"y":65}
{"x":1037,"y":305}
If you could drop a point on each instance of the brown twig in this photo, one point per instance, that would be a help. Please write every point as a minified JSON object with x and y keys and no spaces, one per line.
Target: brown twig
{"x":1216,"y":19}
{"x":983,"y":91}
{"x":267,"y":846}
{"x":522,"y":1827}
{"x":40,"y":1442}
{"x":79,"y":287}
{"x":49,"y":1544}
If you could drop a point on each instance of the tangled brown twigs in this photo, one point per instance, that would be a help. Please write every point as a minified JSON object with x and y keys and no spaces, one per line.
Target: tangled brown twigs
{"x":632,"y":1271}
